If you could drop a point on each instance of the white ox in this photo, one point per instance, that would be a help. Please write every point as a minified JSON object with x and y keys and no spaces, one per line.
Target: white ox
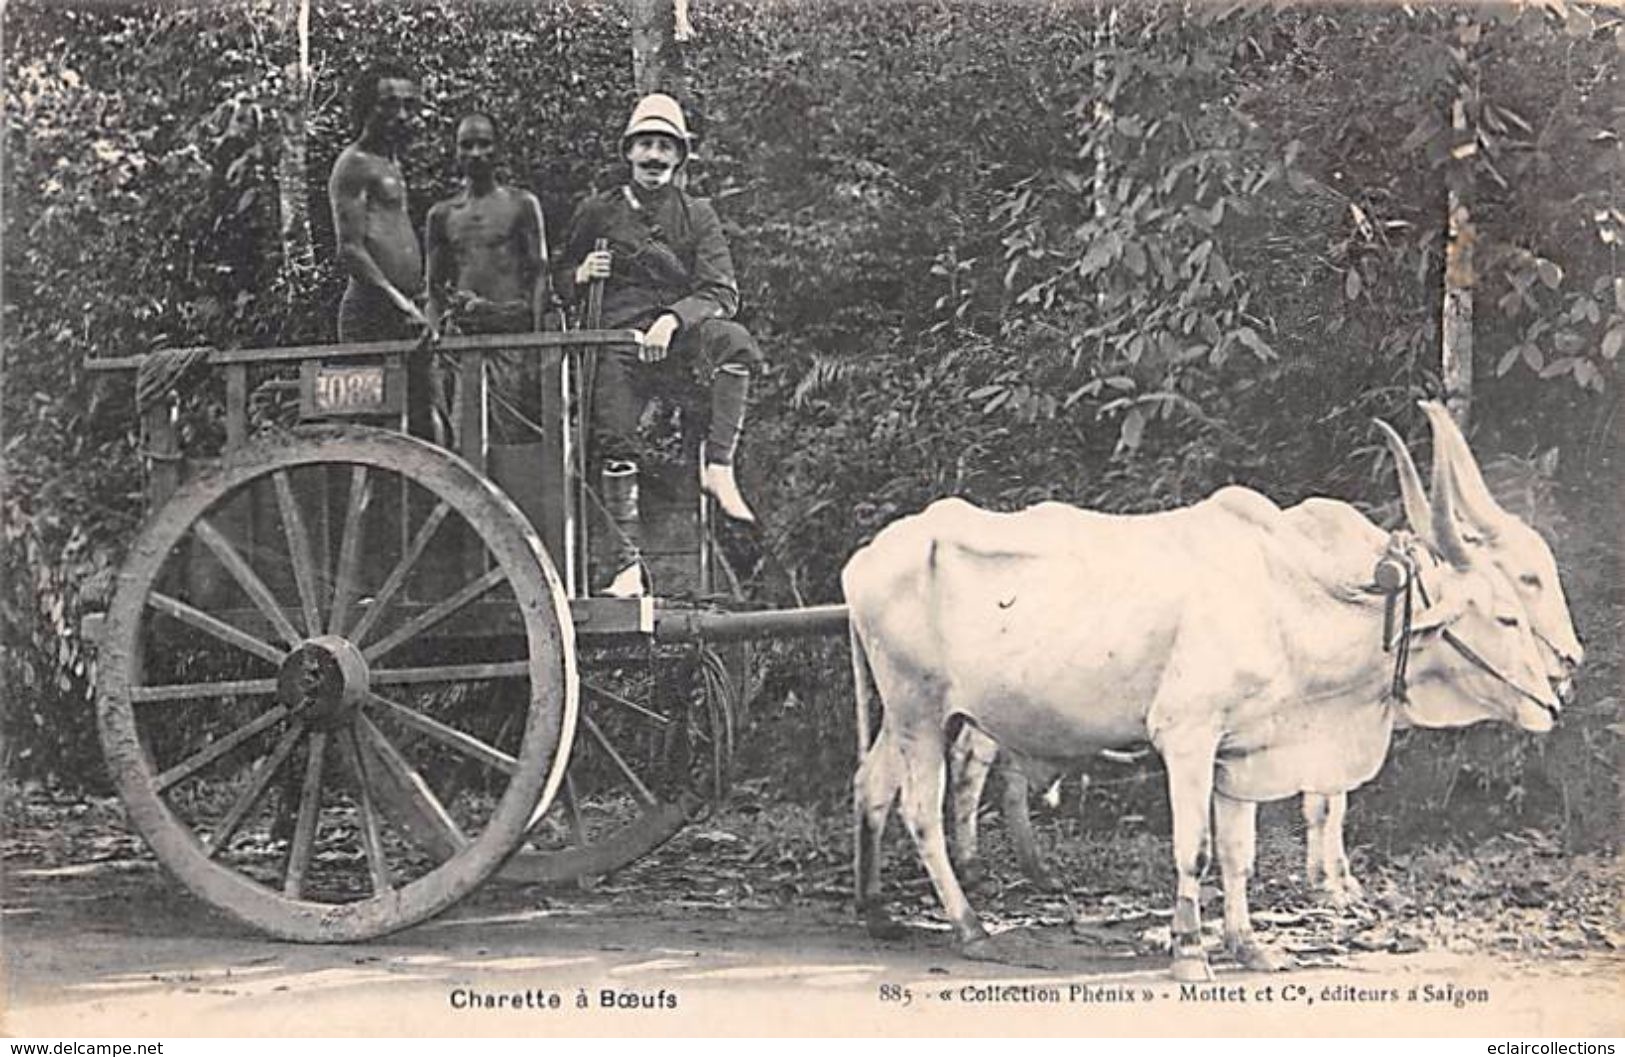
{"x":1506,"y":541}
{"x":1246,"y":647}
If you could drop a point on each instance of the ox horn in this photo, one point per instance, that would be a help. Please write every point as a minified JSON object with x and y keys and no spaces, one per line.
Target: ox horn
{"x":1446,"y":535}
{"x":1418,"y":512}
{"x":1477,"y":505}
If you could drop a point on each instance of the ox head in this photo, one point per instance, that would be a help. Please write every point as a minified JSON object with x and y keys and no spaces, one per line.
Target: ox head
{"x":1513,"y":547}
{"x":1477,"y":656}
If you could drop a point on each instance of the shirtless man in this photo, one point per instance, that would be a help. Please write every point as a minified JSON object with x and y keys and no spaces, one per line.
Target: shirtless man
{"x":487,"y":250}
{"x":376,"y":243}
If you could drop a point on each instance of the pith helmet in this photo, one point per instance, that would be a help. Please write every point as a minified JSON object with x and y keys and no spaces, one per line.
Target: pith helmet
{"x":660,"y":114}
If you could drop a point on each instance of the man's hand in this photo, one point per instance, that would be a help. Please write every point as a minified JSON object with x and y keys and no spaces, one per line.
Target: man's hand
{"x":594,"y":266}
{"x":658,"y":338}
{"x":415,"y":314}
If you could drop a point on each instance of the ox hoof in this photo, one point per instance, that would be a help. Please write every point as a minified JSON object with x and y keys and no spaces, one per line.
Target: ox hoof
{"x":1192,"y":969}
{"x":881,"y":926}
{"x":1343,"y":899}
{"x":972,"y":874}
{"x":983,"y":948}
{"x":1259,"y":958}
{"x":1045,"y":881}
{"x":1011,"y":948}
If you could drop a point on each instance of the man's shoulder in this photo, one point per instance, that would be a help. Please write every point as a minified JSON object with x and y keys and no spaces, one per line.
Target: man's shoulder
{"x":445,"y":204}
{"x":601,"y":201}
{"x":702,"y":214}
{"x":355,"y":154}
{"x":597,"y":209}
{"x":356,"y":163}
{"x":518,"y":199}
{"x":699,"y":204}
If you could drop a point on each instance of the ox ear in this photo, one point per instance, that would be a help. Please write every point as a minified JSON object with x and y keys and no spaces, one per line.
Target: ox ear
{"x":1446,"y":535}
{"x":1418,"y":512}
{"x":1472,"y":494}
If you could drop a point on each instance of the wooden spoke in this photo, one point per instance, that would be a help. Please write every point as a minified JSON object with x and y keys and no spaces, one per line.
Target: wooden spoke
{"x":344,"y":589}
{"x":371,"y":837}
{"x":450,"y":673}
{"x":397,"y":576}
{"x":304,"y":566}
{"x":198,"y":691}
{"x":638,"y":787}
{"x":246,"y":578}
{"x":572,"y":810}
{"x":310,"y":805}
{"x":450,"y":736}
{"x":220,"y":746}
{"x":406,"y":797}
{"x":613,"y":698}
{"x":312,"y":818}
{"x":214,"y":626}
{"x":436,"y":613}
{"x":258,"y":782}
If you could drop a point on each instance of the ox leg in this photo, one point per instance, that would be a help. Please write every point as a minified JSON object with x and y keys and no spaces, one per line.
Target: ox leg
{"x":1237,"y":824}
{"x":1314,"y":841}
{"x":970,"y":760}
{"x":1018,"y":820}
{"x":1190,"y":796}
{"x":874,"y":789}
{"x":1343,"y":890}
{"x":925,"y":765}
{"x":1326,"y":868}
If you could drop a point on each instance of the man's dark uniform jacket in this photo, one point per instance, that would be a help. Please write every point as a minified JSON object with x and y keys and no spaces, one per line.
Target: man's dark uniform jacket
{"x":669,"y":255}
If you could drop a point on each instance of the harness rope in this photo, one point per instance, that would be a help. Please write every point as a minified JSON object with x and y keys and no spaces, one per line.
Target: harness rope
{"x":1399,"y":577}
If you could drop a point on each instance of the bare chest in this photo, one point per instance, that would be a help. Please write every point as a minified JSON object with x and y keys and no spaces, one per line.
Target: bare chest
{"x":387,"y":193}
{"x":482,"y":223}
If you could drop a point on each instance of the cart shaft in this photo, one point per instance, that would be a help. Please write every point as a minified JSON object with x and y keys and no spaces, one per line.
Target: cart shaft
{"x":690,"y":625}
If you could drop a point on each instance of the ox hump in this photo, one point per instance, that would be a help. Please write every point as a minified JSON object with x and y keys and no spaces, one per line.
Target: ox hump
{"x":1247,"y":505}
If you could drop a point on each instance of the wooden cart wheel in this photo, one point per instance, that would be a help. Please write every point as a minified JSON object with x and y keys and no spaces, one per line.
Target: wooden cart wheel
{"x":654,"y":753}
{"x":337,"y":683}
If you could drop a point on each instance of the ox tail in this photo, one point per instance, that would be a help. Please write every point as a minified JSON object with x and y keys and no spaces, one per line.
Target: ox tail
{"x":864,"y":691}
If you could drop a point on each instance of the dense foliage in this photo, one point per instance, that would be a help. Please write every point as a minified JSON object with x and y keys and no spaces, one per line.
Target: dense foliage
{"x":1013,"y":252}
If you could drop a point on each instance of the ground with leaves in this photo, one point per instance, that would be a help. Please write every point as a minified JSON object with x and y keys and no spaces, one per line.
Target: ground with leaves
{"x":760,"y":896}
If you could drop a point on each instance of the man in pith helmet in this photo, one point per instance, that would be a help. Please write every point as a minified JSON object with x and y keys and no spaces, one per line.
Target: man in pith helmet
{"x":667,"y":272}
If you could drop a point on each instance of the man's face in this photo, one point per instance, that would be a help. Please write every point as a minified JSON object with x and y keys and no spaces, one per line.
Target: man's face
{"x":476,"y":147}
{"x":654,"y":159}
{"x":395,"y":110}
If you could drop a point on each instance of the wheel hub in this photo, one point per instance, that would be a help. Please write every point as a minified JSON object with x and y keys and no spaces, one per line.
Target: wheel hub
{"x":324,"y":680}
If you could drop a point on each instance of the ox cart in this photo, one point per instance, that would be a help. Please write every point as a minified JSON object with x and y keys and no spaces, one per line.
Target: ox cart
{"x":349,"y":672}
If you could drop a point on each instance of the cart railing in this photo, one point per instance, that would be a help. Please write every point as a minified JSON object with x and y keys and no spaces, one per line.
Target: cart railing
{"x":389,"y":383}
{"x":554,"y":499}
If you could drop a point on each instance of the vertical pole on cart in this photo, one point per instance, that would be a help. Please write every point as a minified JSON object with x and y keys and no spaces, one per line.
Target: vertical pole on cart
{"x":565,"y":395}
{"x":586,"y":380}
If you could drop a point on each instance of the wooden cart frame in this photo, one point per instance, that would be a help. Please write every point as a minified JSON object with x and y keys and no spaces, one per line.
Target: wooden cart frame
{"x":341,"y":679}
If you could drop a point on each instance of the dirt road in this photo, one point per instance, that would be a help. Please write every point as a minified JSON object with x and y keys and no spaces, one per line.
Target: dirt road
{"x":116,"y":948}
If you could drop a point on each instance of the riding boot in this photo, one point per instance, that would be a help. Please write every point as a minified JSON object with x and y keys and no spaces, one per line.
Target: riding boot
{"x":729,"y":388}
{"x":620,"y":491}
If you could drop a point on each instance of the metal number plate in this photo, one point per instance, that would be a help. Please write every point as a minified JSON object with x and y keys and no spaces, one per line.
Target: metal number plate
{"x":341,"y":390}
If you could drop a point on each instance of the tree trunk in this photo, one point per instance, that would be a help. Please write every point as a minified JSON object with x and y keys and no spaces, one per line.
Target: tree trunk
{"x":1456,"y":345}
{"x":657,"y":62}
{"x":1105,"y":35}
{"x":298,"y":259}
{"x":1456,"y":315}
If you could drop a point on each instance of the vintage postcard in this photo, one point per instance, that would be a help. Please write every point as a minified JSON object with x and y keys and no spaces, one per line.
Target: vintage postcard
{"x":558,"y":518}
